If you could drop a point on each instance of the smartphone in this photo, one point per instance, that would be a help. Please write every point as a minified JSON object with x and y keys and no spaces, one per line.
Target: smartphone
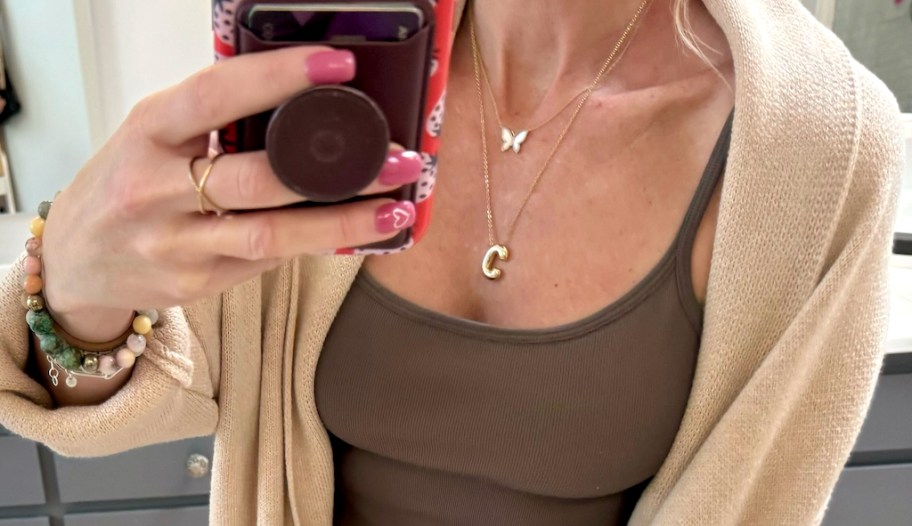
{"x":402,"y":49}
{"x":335,"y":22}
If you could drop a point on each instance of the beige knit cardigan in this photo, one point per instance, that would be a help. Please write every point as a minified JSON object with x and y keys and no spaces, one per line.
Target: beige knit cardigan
{"x":794,"y":325}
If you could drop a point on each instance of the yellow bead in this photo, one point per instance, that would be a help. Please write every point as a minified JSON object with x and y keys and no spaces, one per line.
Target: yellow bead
{"x":37,"y":227}
{"x":125,"y":358}
{"x":142,"y":325}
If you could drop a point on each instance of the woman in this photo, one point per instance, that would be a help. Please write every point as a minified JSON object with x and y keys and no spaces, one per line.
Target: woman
{"x":724,"y":383}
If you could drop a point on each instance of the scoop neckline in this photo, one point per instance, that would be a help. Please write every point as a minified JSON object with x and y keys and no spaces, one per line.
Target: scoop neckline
{"x":601,"y":317}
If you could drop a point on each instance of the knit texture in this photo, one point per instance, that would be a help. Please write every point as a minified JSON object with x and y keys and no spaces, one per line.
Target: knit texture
{"x":795,"y":320}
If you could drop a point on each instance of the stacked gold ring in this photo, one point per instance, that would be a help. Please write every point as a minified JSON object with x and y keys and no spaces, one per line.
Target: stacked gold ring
{"x":200,"y":187}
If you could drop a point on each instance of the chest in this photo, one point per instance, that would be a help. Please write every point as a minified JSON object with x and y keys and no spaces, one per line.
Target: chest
{"x":582,"y":412}
{"x":601,"y":215}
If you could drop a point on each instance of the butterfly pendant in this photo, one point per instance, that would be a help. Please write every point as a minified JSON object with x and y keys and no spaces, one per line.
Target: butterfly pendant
{"x":512,"y":140}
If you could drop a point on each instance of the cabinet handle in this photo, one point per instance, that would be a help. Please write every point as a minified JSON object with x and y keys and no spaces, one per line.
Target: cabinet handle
{"x":197,"y":466}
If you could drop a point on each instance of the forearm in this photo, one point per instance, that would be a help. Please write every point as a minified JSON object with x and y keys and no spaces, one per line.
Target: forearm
{"x":169,"y":393}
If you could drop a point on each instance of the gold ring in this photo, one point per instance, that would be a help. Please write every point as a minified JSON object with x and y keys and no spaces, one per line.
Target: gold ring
{"x":192,"y":176}
{"x":200,"y":187}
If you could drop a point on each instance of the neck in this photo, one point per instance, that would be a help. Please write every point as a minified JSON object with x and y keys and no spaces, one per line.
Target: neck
{"x":538,"y":51}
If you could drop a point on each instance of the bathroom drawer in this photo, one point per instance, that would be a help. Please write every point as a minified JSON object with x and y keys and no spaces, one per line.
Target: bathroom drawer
{"x":888,"y":425}
{"x":20,"y":456}
{"x":197,"y":516}
{"x":872,"y":496}
{"x":42,"y":521}
{"x":155,"y":471}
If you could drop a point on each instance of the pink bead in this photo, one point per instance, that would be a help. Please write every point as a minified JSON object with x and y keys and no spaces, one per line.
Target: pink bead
{"x":136,"y":343}
{"x":32,"y":265}
{"x":107,"y":365}
{"x":125,"y":358}
{"x":33,"y":246}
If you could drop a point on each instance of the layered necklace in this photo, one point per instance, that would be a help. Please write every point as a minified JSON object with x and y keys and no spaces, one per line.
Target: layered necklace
{"x":513,"y":138}
{"x":498,"y":251}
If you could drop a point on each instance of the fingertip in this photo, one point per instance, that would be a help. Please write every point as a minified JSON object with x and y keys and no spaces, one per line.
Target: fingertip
{"x":401,"y":167}
{"x":331,"y":66}
{"x":395,"y":216}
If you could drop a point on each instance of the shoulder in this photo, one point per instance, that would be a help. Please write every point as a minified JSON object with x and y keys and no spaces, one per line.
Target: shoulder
{"x":841,"y":86}
{"x":808,"y":86}
{"x":870,"y":197}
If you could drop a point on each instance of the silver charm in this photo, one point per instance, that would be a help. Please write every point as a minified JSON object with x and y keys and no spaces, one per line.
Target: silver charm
{"x":52,"y":372}
{"x":71,"y":380}
{"x":512,"y":140}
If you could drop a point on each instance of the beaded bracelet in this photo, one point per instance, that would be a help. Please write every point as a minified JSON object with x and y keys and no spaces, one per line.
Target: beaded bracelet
{"x":73,"y":356}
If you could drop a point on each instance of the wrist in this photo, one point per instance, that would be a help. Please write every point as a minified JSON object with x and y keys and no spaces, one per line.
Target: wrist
{"x":87,"y":322}
{"x":93,"y":324}
{"x":82,"y":342}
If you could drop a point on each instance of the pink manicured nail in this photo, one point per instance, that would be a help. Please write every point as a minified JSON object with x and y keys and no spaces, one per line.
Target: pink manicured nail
{"x":331,"y":67}
{"x":395,"y":216}
{"x":402,"y":167}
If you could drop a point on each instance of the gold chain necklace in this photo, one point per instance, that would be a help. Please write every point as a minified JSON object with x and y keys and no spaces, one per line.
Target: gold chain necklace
{"x":497,"y":250}
{"x":513,"y":140}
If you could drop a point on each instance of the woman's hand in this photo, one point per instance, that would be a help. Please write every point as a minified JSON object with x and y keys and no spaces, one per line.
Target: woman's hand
{"x":127,"y":233}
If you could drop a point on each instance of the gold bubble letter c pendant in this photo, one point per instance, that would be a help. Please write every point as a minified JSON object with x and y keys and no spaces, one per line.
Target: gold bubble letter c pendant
{"x":487,"y":264}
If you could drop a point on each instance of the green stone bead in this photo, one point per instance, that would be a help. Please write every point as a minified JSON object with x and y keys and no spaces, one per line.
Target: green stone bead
{"x":50,"y":343}
{"x":45,"y":324}
{"x":40,"y":322}
{"x":43,"y":209}
{"x":69,"y":359}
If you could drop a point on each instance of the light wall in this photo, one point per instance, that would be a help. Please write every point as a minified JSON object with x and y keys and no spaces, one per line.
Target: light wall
{"x":810,"y":4}
{"x":143,"y":46}
{"x":879,"y":35}
{"x":79,"y":66}
{"x":50,"y":139}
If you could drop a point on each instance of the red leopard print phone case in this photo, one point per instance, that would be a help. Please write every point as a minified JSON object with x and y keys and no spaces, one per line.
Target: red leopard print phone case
{"x":225,"y":28}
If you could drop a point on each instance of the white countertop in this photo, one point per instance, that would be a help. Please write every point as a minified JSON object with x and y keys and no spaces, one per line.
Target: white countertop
{"x":899,"y":335}
{"x":14,"y":232}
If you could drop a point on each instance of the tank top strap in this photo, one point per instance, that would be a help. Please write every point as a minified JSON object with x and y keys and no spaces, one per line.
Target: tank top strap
{"x":713,"y":172}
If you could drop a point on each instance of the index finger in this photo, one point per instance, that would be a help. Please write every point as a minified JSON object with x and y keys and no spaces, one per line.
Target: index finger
{"x":238,"y":87}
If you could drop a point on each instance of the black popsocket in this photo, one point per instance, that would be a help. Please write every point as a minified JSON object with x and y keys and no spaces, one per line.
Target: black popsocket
{"x":328,"y":143}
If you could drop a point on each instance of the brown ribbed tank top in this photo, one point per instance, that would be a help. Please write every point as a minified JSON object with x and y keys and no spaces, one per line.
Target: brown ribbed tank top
{"x":437,"y":420}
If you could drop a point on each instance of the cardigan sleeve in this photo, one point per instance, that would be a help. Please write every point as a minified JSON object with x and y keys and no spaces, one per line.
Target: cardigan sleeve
{"x":772,"y":424}
{"x":171,"y":394}
{"x":836,"y":342}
